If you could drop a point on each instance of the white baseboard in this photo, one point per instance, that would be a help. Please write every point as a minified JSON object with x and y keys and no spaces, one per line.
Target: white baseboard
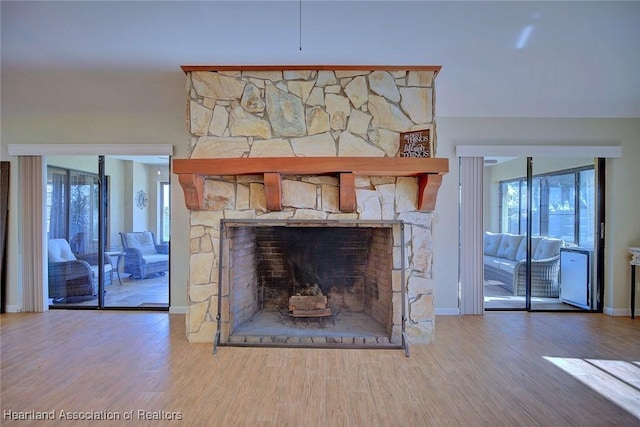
{"x":447,"y":311}
{"x":13,"y":309}
{"x":619,"y":311}
{"x":178,"y":309}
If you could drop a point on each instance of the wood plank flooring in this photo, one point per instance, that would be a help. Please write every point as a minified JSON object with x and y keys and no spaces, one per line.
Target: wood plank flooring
{"x":481,"y":371}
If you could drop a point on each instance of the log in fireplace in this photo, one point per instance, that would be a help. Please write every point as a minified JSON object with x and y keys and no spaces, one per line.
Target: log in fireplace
{"x":340,"y":275}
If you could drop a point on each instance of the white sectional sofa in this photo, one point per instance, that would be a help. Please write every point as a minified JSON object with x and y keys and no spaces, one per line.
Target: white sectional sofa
{"x":505,"y":261}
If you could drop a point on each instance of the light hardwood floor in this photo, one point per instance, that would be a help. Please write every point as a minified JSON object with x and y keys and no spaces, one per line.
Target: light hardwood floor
{"x":481,"y":371}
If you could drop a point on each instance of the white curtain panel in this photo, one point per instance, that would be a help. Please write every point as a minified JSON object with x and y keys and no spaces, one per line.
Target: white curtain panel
{"x":471,"y":232}
{"x":32,"y":234}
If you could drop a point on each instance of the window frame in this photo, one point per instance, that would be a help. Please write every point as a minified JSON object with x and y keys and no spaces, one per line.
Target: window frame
{"x":68,"y":173}
{"x":161,"y":205}
{"x":542,"y":225}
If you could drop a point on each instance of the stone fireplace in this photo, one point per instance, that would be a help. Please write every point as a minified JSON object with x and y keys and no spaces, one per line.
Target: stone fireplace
{"x":295,"y":181}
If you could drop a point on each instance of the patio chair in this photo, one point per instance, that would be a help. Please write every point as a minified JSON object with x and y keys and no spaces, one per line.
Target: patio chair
{"x":143,"y":257}
{"x":73,"y":277}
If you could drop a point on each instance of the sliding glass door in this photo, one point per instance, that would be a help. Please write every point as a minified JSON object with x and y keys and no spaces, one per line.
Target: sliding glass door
{"x":505,"y":216}
{"x":540,"y":228}
{"x":73,"y":188}
{"x":138,"y":236}
{"x":108,"y":232}
{"x":565,"y":203}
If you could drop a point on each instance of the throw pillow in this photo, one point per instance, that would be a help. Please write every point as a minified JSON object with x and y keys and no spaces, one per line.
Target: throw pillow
{"x":547,"y":248}
{"x":59,"y":251}
{"x":141,"y":240}
{"x":492,"y":243}
{"x":509,"y":246}
{"x":147,"y":247}
{"x":522,"y":249}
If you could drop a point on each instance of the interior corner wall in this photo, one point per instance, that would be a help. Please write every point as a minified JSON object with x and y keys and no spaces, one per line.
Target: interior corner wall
{"x":157,"y":175}
{"x":152,"y":206}
{"x":516,"y":168}
{"x":139,"y":182}
{"x":488,"y":188}
{"x":127,"y":195}
{"x":622,"y":225}
{"x":115,"y":171}
{"x":180,"y":238}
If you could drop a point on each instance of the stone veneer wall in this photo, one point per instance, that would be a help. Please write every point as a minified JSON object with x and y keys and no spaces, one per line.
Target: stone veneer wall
{"x":314,"y":113}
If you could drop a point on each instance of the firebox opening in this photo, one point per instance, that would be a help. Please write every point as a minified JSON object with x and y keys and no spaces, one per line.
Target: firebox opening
{"x":309,"y":283}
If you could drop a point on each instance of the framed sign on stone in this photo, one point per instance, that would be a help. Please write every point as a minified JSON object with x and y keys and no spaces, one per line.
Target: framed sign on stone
{"x":416,"y":143}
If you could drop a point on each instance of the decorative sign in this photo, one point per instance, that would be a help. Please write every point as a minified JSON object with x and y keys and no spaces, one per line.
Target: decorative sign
{"x":416,"y":144}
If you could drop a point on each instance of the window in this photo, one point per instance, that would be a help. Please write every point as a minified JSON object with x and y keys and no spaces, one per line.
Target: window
{"x":586,"y":208}
{"x":563,"y":206}
{"x":164,"y":212}
{"x":72,"y":208}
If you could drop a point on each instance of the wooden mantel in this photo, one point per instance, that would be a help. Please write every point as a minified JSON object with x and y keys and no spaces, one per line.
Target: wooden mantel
{"x":429,"y":171}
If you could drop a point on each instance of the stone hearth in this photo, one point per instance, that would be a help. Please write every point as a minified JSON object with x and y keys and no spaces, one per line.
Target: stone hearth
{"x":268,"y":112}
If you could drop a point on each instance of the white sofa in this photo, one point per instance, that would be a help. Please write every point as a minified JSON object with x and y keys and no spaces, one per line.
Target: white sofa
{"x":505,"y":261}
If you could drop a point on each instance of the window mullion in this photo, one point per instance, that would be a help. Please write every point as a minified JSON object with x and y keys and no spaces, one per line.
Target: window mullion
{"x":576,"y":210}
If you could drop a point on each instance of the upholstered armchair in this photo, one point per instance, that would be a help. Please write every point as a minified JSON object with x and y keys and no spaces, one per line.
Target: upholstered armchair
{"x":73,"y":277}
{"x":143,"y":257}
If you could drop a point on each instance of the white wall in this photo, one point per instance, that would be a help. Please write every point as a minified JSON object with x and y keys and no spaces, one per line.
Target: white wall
{"x":114,"y":168}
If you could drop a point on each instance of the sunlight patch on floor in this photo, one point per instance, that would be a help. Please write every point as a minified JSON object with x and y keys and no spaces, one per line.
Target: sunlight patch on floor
{"x":616,"y":380}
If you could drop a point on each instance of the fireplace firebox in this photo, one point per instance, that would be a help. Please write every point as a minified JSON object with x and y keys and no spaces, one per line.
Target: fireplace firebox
{"x":311,"y":283}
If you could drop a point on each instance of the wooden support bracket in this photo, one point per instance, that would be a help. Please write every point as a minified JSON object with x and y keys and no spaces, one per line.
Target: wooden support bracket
{"x":273,"y":190}
{"x":348,"y":192}
{"x":428,"y":186}
{"x":193,"y":187}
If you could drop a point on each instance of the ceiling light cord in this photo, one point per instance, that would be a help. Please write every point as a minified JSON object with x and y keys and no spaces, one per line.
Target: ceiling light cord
{"x":300,"y":24}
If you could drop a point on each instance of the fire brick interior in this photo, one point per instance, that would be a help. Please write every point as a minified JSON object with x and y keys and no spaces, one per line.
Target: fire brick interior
{"x":351,"y":266}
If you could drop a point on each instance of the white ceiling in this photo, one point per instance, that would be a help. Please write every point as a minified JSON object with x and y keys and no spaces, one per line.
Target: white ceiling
{"x":582,"y":59}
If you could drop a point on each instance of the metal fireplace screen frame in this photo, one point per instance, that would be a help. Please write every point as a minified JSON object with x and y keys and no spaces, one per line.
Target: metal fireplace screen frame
{"x":224,"y":328}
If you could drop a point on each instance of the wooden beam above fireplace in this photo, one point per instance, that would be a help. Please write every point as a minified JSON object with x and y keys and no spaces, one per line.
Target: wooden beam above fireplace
{"x":374,"y":166}
{"x":428,"y":170}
